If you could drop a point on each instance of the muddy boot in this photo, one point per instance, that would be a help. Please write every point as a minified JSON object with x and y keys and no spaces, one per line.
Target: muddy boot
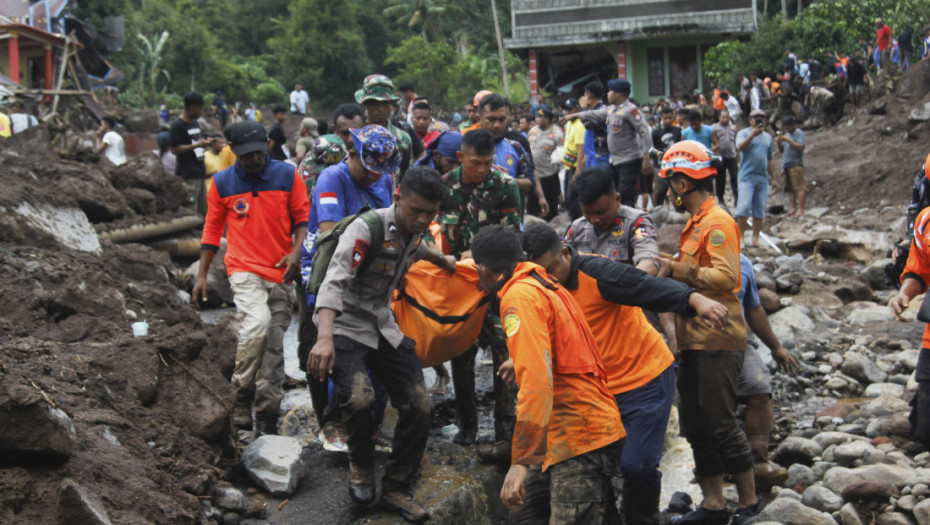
{"x":767,"y":474}
{"x":266,"y":424}
{"x":242,"y":410}
{"x":639,"y":508}
{"x":361,"y":484}
{"x":404,"y":504}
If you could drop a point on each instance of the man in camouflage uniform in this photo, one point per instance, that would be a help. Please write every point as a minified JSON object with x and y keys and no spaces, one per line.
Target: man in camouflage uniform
{"x":377,"y":96}
{"x":478,"y":195}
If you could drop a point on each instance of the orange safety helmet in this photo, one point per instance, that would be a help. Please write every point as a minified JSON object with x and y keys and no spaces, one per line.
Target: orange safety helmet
{"x":480,"y":95}
{"x":689,"y":157}
{"x":927,"y":167}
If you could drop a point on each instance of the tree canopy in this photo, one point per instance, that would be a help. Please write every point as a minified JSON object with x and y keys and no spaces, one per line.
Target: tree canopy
{"x":255,"y":50}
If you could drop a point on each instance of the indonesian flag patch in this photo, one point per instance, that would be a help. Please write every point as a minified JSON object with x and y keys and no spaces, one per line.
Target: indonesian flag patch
{"x":329,"y":197}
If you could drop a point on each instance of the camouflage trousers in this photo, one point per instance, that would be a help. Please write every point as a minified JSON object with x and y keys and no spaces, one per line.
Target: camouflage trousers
{"x":574,"y":491}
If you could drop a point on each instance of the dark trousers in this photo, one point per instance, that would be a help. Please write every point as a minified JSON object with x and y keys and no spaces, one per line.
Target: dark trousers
{"x":920,"y":404}
{"x":306,"y":338}
{"x":627,"y":177}
{"x":463,"y":381}
{"x":707,"y":384}
{"x":552,"y":192}
{"x":399,"y":370}
{"x":574,"y":491}
{"x":571,"y":197}
{"x":720,"y":182}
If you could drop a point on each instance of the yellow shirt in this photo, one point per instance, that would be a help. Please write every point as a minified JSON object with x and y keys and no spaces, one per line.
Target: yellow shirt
{"x":227,"y":157}
{"x":5,"y":128}
{"x":574,"y":141}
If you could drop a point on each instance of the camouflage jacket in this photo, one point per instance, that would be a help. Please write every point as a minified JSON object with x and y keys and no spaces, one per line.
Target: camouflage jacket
{"x":404,"y":145}
{"x":466,"y":208}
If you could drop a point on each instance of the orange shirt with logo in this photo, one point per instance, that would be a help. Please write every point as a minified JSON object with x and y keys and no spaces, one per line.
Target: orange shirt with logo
{"x":918,"y":260}
{"x":564,"y":408}
{"x":708,"y":261}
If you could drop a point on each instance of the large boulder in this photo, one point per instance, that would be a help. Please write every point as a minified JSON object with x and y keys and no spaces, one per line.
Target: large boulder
{"x":870,"y":490}
{"x":862,"y":369}
{"x":32,"y":432}
{"x":791,"y":324}
{"x":838,"y":478}
{"x":274,"y":464}
{"x":822,"y":499}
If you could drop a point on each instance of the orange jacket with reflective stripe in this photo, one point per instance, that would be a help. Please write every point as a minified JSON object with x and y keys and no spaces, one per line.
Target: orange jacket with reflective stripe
{"x":563,"y":407}
{"x":708,"y":261}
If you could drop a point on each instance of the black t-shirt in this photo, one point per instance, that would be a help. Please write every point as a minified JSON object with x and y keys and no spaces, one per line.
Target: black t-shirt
{"x":662,"y":138}
{"x":190,"y":163}
{"x":276,"y":133}
{"x":816,"y":70}
{"x":856,"y":73}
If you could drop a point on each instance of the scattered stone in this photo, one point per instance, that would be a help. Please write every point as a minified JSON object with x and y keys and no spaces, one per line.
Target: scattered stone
{"x":792,"y":493}
{"x":76,"y":504}
{"x":849,"y":515}
{"x":906,"y":503}
{"x":229,"y":498}
{"x":822,"y":499}
{"x":920,"y":489}
{"x":884,"y":389}
{"x":870,"y":490}
{"x":274,"y":464}
{"x":884,"y":406}
{"x":838,"y":478}
{"x":765,"y":281}
{"x":892,"y":518}
{"x":799,"y":473}
{"x":825,"y":439}
{"x":796,"y":449}
{"x":874,"y":273}
{"x":32,"y":432}
{"x":870,"y":314}
{"x":889,"y":426}
{"x":848,"y":453}
{"x":680,"y":503}
{"x":862,"y":369}
{"x":790,"y":512}
{"x":792,"y":323}
{"x":769,"y":300}
{"x":922,"y":512}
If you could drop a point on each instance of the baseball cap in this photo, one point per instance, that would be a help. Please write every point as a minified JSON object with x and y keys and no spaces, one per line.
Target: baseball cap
{"x":571,"y":103}
{"x":544,"y":111}
{"x":377,"y":148}
{"x":311,"y":125}
{"x":480,"y":95}
{"x":619,"y":85}
{"x":247,"y":137}
{"x":376,"y":87}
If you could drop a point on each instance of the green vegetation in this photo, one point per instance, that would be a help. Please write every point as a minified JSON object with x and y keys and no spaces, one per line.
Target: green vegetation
{"x":827,"y":25}
{"x":256,"y":50}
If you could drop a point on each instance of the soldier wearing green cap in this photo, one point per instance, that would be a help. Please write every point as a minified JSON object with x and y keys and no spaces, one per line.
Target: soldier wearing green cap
{"x":378,"y":97}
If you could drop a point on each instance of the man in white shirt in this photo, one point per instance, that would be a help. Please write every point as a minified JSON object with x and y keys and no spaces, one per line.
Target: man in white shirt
{"x":299,"y":100}
{"x":109,"y":142}
{"x":19,"y":120}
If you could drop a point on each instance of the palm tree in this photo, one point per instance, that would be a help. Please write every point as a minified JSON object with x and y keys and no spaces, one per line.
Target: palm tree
{"x":419,"y":12}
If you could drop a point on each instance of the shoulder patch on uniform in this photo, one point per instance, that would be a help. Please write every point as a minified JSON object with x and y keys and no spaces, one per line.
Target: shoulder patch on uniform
{"x":640,"y":233}
{"x":511,"y":324}
{"x":717,"y":238}
{"x":359,"y":251}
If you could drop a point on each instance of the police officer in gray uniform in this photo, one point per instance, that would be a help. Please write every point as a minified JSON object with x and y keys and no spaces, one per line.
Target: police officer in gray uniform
{"x":609,"y":228}
{"x":628,"y":138}
{"x":357,"y":332}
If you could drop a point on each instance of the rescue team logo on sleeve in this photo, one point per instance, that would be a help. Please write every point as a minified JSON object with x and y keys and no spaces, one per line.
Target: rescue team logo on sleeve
{"x":510,"y":160}
{"x":636,"y":115}
{"x":359,"y":251}
{"x":640,"y":233}
{"x":717,"y":238}
{"x":511,"y":325}
{"x":241,"y":206}
{"x":329,"y":197}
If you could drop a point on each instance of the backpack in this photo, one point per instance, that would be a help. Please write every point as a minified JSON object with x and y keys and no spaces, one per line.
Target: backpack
{"x":327,"y":241}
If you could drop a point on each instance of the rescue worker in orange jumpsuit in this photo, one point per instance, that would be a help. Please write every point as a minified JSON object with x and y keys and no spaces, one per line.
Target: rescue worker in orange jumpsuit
{"x":567,"y":424}
{"x":710,"y":360}
{"x":640,"y":367}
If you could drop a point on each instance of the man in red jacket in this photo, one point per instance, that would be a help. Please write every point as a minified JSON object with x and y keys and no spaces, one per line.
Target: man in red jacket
{"x":264,"y":207}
